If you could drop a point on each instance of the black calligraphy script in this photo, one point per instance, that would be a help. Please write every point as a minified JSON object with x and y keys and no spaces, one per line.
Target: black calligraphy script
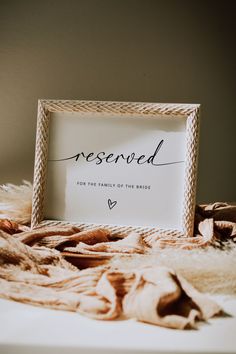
{"x":103,"y":157}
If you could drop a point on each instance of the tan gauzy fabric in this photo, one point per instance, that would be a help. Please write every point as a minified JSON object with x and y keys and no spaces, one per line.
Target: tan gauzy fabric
{"x":157,"y":295}
{"x":214,"y":224}
{"x":32,"y":270}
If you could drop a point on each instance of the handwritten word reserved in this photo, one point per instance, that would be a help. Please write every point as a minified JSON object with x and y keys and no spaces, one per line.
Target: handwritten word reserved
{"x":103,"y":157}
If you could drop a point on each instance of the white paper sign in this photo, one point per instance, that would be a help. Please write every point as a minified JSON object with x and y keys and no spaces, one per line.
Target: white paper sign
{"x":116,"y":169}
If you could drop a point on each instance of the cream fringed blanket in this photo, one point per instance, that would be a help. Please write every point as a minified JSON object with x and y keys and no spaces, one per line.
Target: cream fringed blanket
{"x":156,"y":295}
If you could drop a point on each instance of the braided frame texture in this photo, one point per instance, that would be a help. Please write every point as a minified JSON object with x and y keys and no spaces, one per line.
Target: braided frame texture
{"x":170,"y":111}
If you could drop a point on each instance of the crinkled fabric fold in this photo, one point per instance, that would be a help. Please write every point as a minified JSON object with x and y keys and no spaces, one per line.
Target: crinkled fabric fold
{"x":215,"y":225}
{"x":32,"y":269}
{"x":157,"y":295}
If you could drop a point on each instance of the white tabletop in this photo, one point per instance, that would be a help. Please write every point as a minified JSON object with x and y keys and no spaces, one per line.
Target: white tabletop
{"x":26,"y":329}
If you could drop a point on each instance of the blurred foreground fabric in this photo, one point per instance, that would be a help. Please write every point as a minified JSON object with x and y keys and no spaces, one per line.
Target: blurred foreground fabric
{"x":155,"y":288}
{"x":157,"y":295}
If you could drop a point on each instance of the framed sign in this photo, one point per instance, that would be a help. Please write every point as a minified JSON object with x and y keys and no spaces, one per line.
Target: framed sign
{"x":121,"y":165}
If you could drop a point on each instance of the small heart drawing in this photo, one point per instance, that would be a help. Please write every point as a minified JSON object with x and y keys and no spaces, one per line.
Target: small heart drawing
{"x":111,"y":204}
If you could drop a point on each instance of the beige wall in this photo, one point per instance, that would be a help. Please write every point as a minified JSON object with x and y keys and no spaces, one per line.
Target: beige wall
{"x":156,"y":51}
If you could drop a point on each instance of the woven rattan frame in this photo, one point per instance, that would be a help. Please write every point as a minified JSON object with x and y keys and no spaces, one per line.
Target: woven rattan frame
{"x":190,"y":111}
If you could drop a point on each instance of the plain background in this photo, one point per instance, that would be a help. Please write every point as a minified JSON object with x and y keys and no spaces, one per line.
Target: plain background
{"x":122,"y":50}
